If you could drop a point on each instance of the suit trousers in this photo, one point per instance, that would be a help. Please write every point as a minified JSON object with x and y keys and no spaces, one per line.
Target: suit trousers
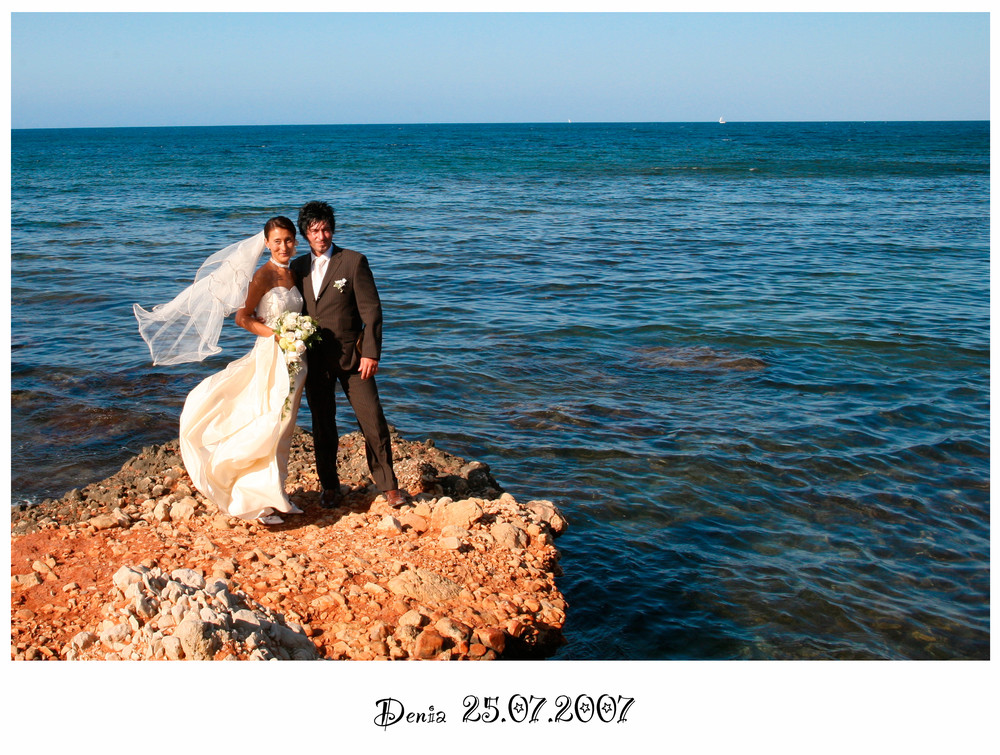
{"x":363,"y":396}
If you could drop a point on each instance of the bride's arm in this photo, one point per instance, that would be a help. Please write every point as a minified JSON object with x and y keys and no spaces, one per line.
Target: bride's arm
{"x":245,"y":317}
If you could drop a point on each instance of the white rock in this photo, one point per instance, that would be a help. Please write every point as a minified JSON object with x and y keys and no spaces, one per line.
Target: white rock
{"x":183,"y":510}
{"x":289,"y":639}
{"x":126,"y":576}
{"x":411,"y":618}
{"x":156,"y":646}
{"x":424,"y":585}
{"x":509,"y":536}
{"x":188,"y":577}
{"x":197,"y":639}
{"x":84,"y":640}
{"x":247,"y":616}
{"x":462,"y":514}
{"x":172,"y":648}
{"x":255,"y":640}
{"x":25,"y":580}
{"x":228,"y":600}
{"x":406,"y":633}
{"x":178,"y":612}
{"x":42,"y":568}
{"x":546,"y":511}
{"x":152,"y":581}
{"x":106,"y":521}
{"x":390,"y":524}
{"x":173,"y":591}
{"x":211,"y":617}
{"x":450,"y":628}
{"x":192,"y":614}
{"x":134,"y":590}
{"x":116,"y":633}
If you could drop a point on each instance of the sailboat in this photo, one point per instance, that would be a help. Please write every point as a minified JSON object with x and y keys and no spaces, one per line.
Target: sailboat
{"x":722,"y":120}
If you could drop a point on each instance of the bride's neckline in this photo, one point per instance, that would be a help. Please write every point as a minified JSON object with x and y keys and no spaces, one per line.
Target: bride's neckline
{"x":283,"y":288}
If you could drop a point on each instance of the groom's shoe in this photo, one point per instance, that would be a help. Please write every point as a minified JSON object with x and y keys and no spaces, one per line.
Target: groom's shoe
{"x":395,"y":498}
{"x":330,"y":499}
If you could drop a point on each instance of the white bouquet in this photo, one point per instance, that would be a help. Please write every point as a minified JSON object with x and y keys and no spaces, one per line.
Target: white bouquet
{"x":296,"y":333}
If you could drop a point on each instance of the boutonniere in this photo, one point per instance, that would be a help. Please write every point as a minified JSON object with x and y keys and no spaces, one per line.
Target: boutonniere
{"x":340,"y":284}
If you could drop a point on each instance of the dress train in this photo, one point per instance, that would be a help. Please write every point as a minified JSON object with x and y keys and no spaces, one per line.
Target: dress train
{"x":237,"y":425}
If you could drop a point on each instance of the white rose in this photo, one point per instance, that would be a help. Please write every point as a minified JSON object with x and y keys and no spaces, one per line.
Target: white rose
{"x":291,"y":357}
{"x":300,"y":347}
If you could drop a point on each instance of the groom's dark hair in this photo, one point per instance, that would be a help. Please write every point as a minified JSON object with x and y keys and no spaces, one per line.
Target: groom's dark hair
{"x":315,"y":212}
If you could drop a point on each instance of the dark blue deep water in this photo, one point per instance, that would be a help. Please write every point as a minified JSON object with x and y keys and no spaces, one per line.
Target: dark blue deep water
{"x":749,"y":361}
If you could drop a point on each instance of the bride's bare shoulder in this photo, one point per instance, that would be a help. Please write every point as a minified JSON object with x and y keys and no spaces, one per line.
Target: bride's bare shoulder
{"x":265,"y":278}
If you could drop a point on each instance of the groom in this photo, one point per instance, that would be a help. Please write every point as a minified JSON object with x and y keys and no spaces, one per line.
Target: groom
{"x":340,"y":293}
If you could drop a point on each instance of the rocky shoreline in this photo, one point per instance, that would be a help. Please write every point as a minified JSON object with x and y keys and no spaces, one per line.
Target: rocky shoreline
{"x":140,"y":567}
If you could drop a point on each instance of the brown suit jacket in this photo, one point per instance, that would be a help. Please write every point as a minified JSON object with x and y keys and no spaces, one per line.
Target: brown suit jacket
{"x":345,"y":313}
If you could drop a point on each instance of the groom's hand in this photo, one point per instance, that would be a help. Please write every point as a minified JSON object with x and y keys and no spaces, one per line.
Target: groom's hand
{"x":368,"y":368}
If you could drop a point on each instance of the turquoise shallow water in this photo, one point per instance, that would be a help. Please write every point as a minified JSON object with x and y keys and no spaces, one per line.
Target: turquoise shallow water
{"x":749,"y":361}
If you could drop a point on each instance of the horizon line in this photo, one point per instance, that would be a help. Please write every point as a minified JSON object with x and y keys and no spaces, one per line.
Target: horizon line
{"x":500,"y":123}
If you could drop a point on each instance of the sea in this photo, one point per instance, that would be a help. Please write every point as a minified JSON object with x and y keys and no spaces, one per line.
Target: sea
{"x":748,"y":361}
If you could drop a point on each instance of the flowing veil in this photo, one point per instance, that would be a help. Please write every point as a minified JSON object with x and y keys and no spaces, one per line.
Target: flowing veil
{"x":187,"y":329}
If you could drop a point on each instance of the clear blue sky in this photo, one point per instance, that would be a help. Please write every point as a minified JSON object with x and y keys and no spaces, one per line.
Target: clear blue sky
{"x":71,"y":70}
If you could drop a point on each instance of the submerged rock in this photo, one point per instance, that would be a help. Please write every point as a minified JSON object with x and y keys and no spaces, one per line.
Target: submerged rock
{"x":699,"y":358}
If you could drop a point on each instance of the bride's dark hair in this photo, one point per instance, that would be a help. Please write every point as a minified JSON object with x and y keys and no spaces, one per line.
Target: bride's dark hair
{"x":314,"y":212}
{"x":279,"y":221}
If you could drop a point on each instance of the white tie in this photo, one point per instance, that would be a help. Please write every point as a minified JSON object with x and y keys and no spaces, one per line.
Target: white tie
{"x":318,"y":271}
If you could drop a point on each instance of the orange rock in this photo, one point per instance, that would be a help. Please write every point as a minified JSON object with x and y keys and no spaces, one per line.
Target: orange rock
{"x":429,"y":644}
{"x":492,"y":637}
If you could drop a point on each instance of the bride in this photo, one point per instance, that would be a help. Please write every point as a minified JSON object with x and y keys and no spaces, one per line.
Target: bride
{"x":236,"y":426}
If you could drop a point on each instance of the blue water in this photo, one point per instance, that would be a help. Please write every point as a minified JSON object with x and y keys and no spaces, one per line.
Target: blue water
{"x":749,"y":361}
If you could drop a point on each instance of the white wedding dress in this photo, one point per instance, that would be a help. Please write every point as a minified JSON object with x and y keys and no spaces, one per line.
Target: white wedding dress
{"x":236,"y":427}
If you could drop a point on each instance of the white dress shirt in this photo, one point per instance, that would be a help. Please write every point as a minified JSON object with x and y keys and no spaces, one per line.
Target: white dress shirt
{"x":319,"y":265}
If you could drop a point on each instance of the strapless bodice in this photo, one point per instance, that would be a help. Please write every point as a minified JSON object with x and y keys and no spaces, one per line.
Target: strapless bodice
{"x":276,"y":302}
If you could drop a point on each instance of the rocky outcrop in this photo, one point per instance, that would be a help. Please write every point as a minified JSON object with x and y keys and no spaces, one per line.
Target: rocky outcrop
{"x":140,"y":566}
